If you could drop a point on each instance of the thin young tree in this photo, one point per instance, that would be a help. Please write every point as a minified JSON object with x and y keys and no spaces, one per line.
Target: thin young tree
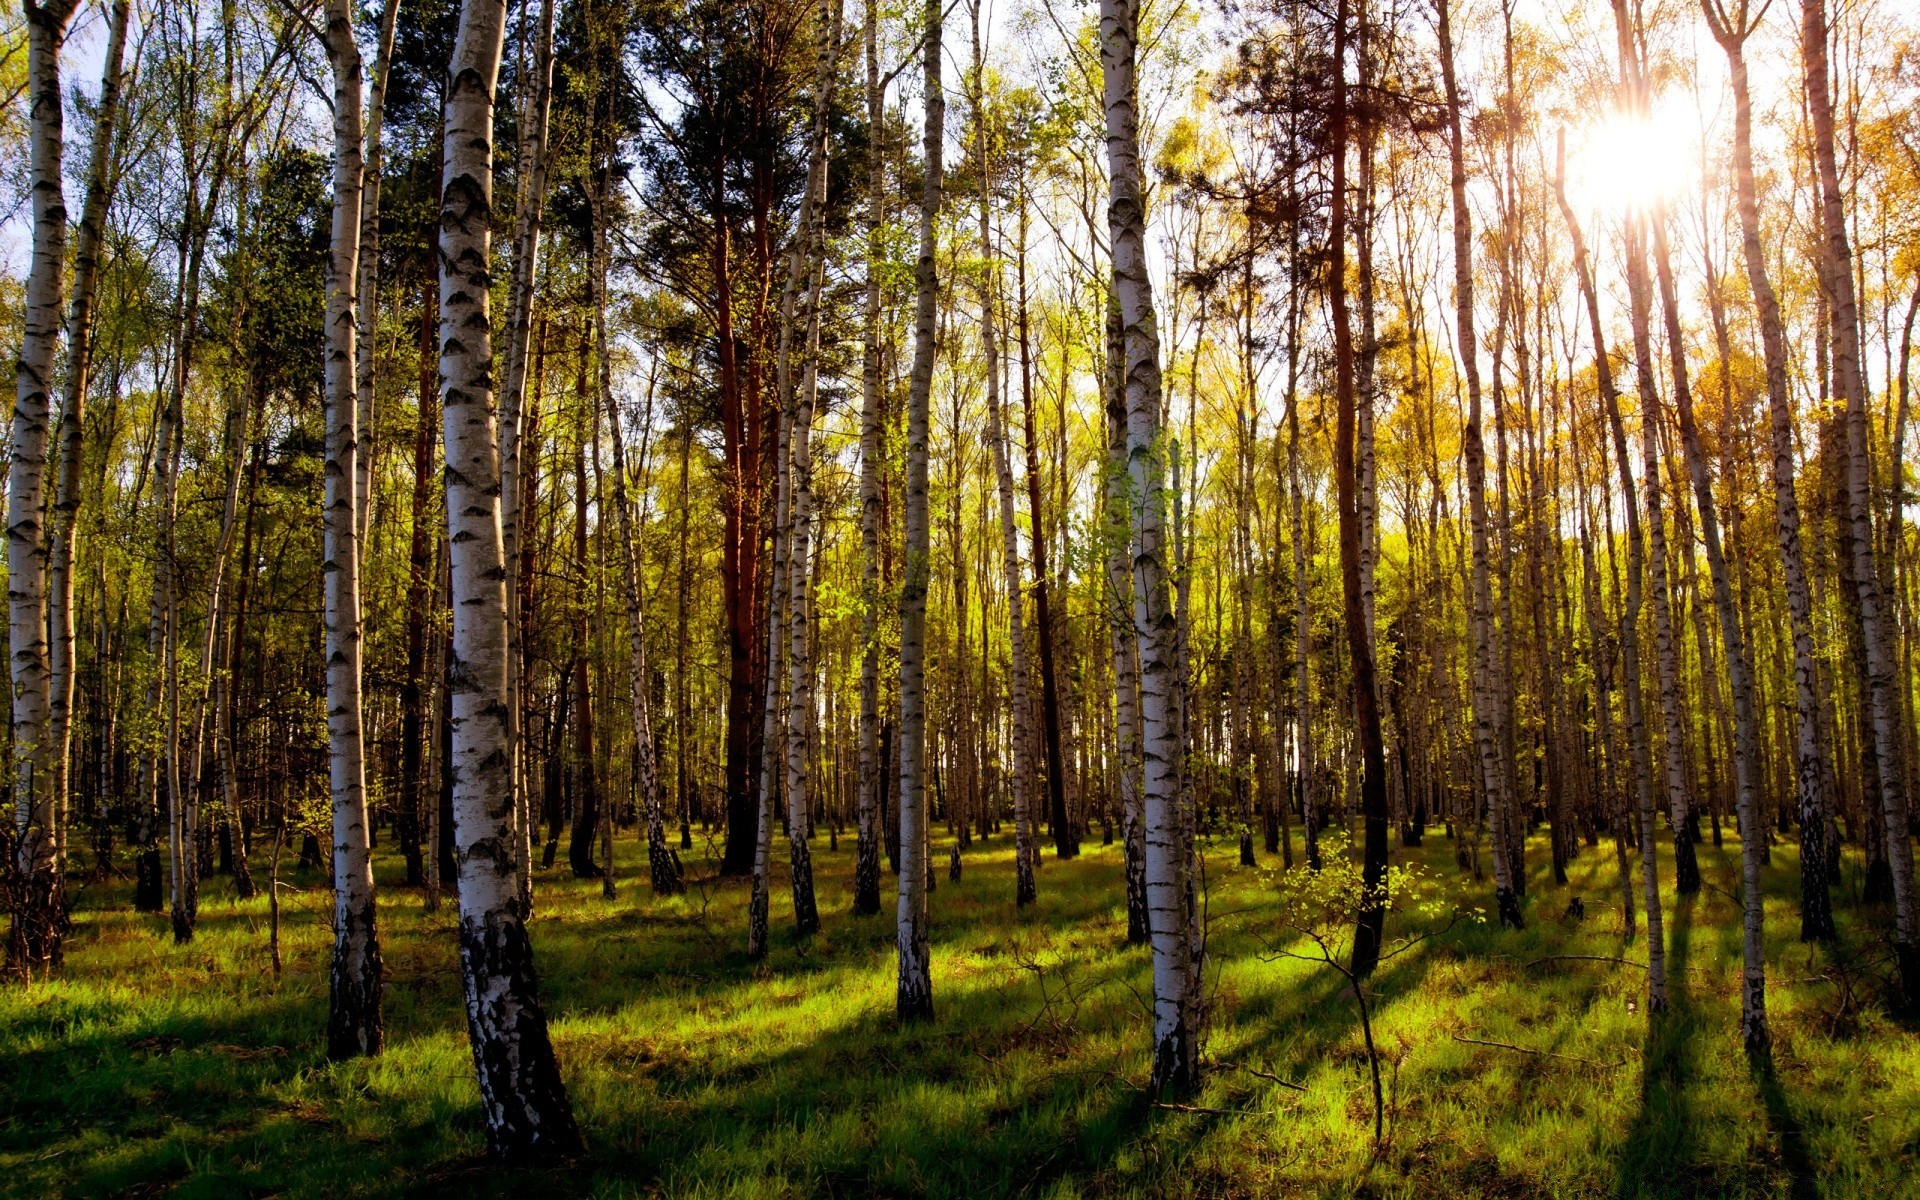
{"x":914,"y":1001}
{"x":866,"y":872}
{"x":1731,"y":29}
{"x":1876,"y":624}
{"x":1495,"y":772}
{"x":353,"y":1015}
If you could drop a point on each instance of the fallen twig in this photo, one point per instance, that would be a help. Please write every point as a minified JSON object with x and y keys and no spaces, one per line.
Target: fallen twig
{"x":1210,"y":1112}
{"x":1526,"y":1050}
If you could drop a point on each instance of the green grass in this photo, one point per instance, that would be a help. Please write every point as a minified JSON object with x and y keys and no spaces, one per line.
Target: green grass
{"x":148,"y":1068}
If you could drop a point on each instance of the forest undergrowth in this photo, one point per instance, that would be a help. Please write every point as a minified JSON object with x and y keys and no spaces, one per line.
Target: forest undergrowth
{"x":1514,"y":1064}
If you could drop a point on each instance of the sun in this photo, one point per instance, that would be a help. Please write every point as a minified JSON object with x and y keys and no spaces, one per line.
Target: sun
{"x":1621,"y":163}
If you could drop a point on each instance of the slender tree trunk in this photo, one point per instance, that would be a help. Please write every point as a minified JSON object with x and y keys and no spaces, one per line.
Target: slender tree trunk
{"x":353,"y":1017}
{"x":1630,"y":616}
{"x":100,"y":185}
{"x":522,"y":1098}
{"x":1816,"y":907}
{"x":515,"y":416}
{"x":1126,"y":671}
{"x":915,"y":994}
{"x":1746,"y":732}
{"x":1495,"y":771}
{"x":1366,"y":689}
{"x":1876,"y":625}
{"x":866,"y":872}
{"x":367,"y":288}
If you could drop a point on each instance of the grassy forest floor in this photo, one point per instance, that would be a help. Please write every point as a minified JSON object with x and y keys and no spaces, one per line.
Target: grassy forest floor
{"x":149,"y":1069}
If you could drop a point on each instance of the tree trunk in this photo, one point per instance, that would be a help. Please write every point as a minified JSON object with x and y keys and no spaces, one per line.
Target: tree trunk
{"x":914,"y":1001}
{"x":1495,"y":771}
{"x":1876,"y":625}
{"x":353,"y":1017}
{"x":101,"y":181}
{"x":1126,"y":671}
{"x":1630,"y":616}
{"x":522,"y":1098}
{"x":38,"y":903}
{"x":1816,"y":906}
{"x":514,"y":418}
{"x":866,"y":871}
{"x":1176,"y":1033}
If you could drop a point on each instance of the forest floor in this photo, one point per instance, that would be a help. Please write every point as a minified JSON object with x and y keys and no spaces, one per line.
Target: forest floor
{"x":147,"y":1068}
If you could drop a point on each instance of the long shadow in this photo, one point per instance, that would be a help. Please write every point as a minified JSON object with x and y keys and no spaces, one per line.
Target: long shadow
{"x":1659,"y":1148}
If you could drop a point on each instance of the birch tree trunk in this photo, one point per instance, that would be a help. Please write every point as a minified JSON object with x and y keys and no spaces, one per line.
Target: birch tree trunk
{"x":1020,"y":673}
{"x":100,"y":187}
{"x":1631,"y":688}
{"x":866,"y":872}
{"x":353,"y":1016}
{"x":367,"y":287}
{"x":1816,"y":907}
{"x":1876,"y":622}
{"x":915,"y":994}
{"x":663,"y":866}
{"x":1176,"y":1032}
{"x":522,"y":1098}
{"x":807,"y":257}
{"x":1126,"y":671}
{"x":1746,"y":733}
{"x":38,"y":904}
{"x":529,"y":204}
{"x":1495,"y":773}
{"x":1686,"y":870}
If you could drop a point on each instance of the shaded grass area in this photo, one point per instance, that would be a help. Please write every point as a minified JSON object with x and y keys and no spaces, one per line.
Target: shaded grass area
{"x":150,"y":1069}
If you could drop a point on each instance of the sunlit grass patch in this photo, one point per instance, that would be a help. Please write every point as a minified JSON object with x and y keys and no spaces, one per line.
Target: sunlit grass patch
{"x":1515,"y":1064}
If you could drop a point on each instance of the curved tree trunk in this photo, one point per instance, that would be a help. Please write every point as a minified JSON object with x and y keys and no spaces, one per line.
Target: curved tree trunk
{"x":1816,"y":906}
{"x":1631,"y":687}
{"x":1746,"y":732}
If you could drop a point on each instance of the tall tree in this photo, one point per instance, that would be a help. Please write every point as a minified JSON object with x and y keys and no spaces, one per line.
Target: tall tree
{"x":1176,"y":1000}
{"x":353,"y":1016}
{"x":915,"y":993}
{"x":522,"y":1098}
{"x":38,"y":904}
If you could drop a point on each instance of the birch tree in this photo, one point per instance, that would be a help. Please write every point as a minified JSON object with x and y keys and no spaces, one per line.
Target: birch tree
{"x":38,"y":903}
{"x":522,"y":1098}
{"x":915,"y":993}
{"x":1176,"y":1004}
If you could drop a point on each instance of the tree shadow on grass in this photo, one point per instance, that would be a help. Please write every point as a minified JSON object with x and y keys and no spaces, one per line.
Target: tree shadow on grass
{"x":1656,"y":1160}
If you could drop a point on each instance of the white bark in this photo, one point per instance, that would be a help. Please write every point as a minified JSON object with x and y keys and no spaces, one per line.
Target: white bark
{"x":915,"y":993}
{"x":353,"y":1020}
{"x":1176,"y":1056}
{"x":37,"y":914}
{"x":522,"y":1098}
